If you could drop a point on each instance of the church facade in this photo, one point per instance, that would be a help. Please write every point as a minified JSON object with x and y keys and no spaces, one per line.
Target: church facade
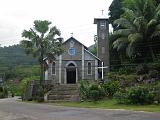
{"x":76,"y":63}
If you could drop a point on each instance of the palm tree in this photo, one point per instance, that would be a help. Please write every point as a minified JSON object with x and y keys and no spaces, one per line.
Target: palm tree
{"x":138,"y":26}
{"x":42,"y":42}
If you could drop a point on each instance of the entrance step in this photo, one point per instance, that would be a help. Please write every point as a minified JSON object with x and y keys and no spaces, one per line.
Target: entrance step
{"x":64,"y":92}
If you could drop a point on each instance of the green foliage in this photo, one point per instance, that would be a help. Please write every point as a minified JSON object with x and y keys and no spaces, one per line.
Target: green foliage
{"x":111,"y":87}
{"x":115,"y":11}
{"x":124,"y":80}
{"x":18,"y":89}
{"x":138,"y":26}
{"x":42,"y":42}
{"x":155,"y":66}
{"x":142,"y":69}
{"x":27,"y":71}
{"x":91,"y":91}
{"x":135,"y":95}
{"x":3,"y":92}
{"x":96,"y":92}
{"x":140,"y":95}
{"x":14,"y":55}
{"x":153,"y":74}
{"x":84,"y":89}
{"x":156,"y":89}
{"x":126,"y":70}
{"x":39,"y":94}
{"x":121,"y":97}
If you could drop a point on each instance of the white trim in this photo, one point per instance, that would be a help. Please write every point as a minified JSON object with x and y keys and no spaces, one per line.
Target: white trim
{"x":82,"y":62}
{"x":92,"y":54}
{"x":46,"y":75}
{"x":87,"y":68}
{"x":96,"y":70}
{"x":60,"y":68}
{"x":52,"y":67}
{"x":65,"y":76}
{"x":70,"y":63}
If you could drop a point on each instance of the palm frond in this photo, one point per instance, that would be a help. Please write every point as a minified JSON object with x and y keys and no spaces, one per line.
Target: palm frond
{"x":41,"y":26}
{"x":155,"y":34}
{"x":152,"y":23}
{"x":123,"y":22}
{"x":129,"y":14}
{"x":120,"y":43}
{"x":135,"y":37}
{"x":122,"y":32}
{"x":130,"y":50}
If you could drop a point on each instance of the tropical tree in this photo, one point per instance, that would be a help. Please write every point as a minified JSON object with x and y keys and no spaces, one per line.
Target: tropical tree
{"x":115,"y":11}
{"x":43,"y":42}
{"x":137,"y":28}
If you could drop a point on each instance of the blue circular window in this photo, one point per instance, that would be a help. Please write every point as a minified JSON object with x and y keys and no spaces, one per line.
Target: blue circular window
{"x":71,"y":51}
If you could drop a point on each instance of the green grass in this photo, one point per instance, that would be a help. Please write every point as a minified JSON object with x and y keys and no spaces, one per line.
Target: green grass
{"x":111,"y":104}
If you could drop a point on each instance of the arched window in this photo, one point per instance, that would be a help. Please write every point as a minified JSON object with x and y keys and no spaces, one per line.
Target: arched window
{"x":89,"y":70}
{"x":53,"y":68}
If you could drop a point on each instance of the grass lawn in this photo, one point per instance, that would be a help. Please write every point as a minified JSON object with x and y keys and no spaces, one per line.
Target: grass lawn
{"x":111,"y":104}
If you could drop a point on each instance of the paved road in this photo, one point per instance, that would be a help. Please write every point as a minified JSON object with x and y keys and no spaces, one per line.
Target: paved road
{"x":13,"y":110}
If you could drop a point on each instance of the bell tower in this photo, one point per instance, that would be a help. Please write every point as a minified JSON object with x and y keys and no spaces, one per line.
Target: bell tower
{"x":103,"y":39}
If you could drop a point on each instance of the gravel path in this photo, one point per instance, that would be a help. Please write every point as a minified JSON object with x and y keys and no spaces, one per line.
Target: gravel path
{"x":13,"y":110}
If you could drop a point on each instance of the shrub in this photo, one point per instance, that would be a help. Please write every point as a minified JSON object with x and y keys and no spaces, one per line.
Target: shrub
{"x":39,"y":94}
{"x":155,"y":66}
{"x":84,"y":89}
{"x":156,"y":89}
{"x":121,"y":97}
{"x":96,"y":92}
{"x":153,"y":74}
{"x":91,"y":91}
{"x":3,"y":92}
{"x":140,"y":95}
{"x":111,"y":87}
{"x":142,"y":69}
{"x":125,"y":70}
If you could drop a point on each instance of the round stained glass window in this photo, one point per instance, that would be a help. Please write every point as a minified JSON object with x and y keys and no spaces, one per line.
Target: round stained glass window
{"x":71,"y":51}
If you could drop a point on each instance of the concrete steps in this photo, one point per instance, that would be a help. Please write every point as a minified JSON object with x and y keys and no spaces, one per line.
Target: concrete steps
{"x":64,"y":92}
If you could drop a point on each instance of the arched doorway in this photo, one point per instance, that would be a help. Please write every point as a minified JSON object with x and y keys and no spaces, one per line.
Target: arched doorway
{"x":71,"y":73}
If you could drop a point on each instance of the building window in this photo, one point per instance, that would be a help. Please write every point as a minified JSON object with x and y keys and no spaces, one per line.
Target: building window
{"x":89,"y":70}
{"x":103,"y":50}
{"x":102,"y":25}
{"x":53,"y":68}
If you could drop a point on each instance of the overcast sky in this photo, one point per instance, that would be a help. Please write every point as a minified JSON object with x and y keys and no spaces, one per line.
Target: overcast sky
{"x":68,"y":15}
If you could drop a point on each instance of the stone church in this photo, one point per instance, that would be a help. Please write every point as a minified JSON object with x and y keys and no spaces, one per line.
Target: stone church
{"x":77,"y":62}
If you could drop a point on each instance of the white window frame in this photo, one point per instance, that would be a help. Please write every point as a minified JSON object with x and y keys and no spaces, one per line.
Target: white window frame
{"x":87,"y":68}
{"x":54,"y":68}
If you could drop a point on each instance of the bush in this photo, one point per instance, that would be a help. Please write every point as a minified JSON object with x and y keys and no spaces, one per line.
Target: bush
{"x":3,"y":92}
{"x":18,"y":89}
{"x":111,"y":87}
{"x":142,"y":69}
{"x":156,"y":89}
{"x":121,"y":97}
{"x":153,"y":74}
{"x":84,"y":89}
{"x":140,"y":95}
{"x":91,"y":91}
{"x":40,"y":94}
{"x":96,"y":92}
{"x":126,"y":70}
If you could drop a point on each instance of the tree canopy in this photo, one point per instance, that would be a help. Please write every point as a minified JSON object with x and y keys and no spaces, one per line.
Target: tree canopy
{"x":43,"y":42}
{"x":137,"y":28}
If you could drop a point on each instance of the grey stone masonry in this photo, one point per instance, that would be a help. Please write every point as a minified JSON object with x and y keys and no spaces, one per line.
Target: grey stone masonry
{"x":103,"y":39}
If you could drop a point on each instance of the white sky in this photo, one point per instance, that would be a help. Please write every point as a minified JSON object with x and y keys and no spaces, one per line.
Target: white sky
{"x":68,"y":15}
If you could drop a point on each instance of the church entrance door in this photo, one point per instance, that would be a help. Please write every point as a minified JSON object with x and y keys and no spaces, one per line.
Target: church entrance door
{"x":71,"y":74}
